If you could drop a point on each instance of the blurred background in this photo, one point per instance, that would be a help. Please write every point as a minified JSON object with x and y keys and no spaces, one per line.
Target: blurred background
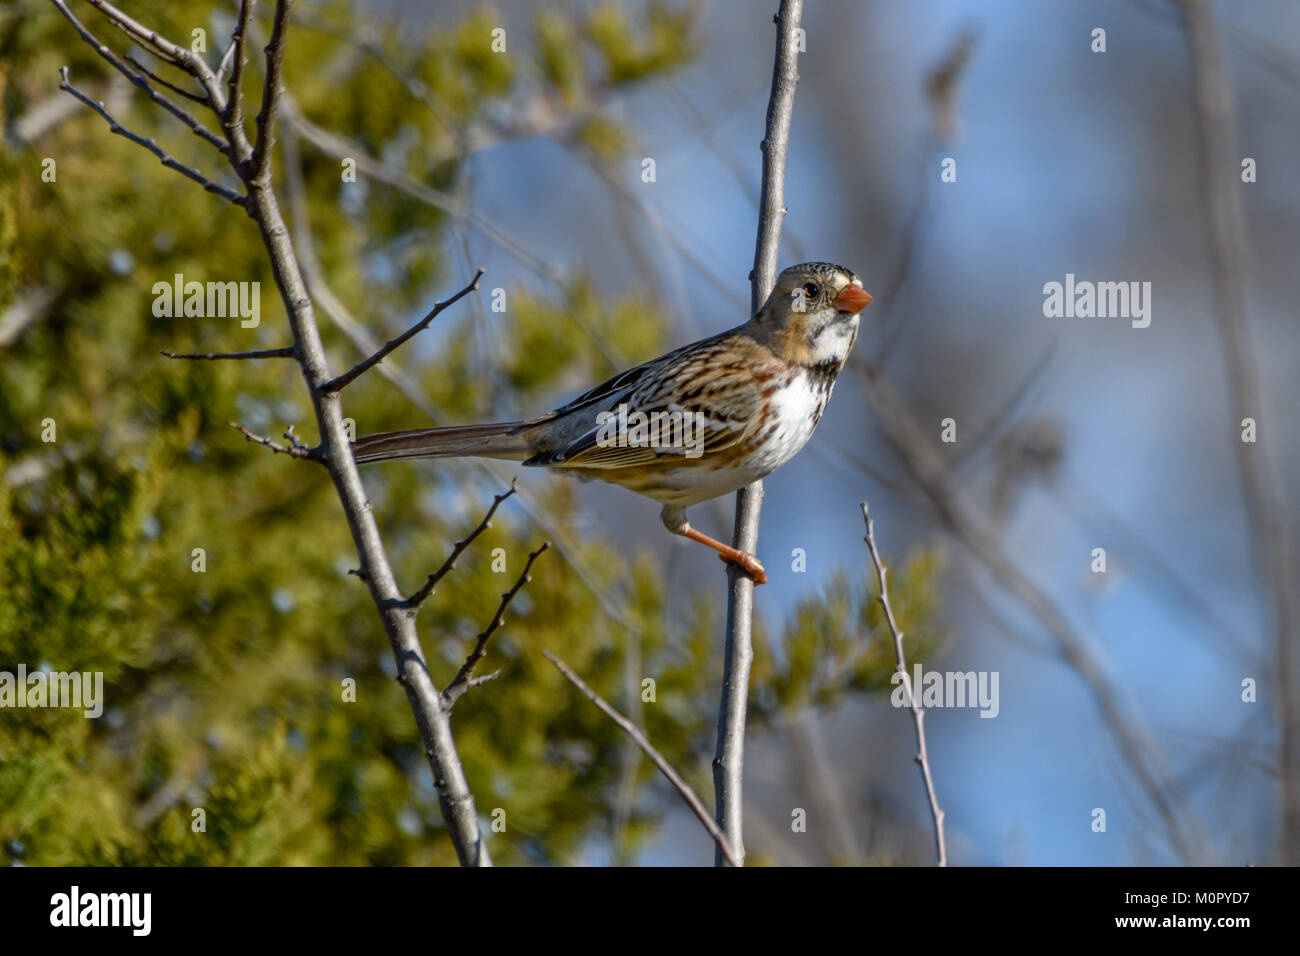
{"x":1120,"y":690}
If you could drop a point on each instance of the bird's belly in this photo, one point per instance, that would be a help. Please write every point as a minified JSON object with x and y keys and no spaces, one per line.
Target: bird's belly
{"x":788,"y":422}
{"x":691,"y":485}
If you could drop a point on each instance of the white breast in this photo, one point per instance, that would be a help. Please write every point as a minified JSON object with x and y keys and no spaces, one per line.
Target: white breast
{"x":796,"y":407}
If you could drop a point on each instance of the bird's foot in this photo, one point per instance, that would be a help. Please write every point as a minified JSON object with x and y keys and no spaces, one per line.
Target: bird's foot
{"x":747,"y":563}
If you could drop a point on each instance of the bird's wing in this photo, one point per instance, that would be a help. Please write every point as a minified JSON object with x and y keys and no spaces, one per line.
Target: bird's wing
{"x":706,"y":395}
{"x":633,"y":376}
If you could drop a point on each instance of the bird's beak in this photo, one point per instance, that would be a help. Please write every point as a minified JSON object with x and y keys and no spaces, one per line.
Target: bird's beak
{"x":852,"y":299}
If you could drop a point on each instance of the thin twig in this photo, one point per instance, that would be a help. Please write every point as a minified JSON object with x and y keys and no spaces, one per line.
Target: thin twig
{"x":190,"y":62}
{"x":139,"y":80}
{"x":336,"y":385}
{"x":232,"y":117}
{"x":695,"y":804}
{"x":228,"y":56}
{"x":170,"y":51}
{"x":260,"y":163}
{"x":918,"y":714}
{"x":149,"y":144}
{"x":286,"y":352}
{"x":728,"y":761}
{"x":461,"y":682}
{"x":422,"y":595}
{"x":202,"y":100}
{"x":293,"y":451}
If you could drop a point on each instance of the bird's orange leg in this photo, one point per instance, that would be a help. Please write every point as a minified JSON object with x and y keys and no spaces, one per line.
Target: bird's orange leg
{"x":743,"y":559}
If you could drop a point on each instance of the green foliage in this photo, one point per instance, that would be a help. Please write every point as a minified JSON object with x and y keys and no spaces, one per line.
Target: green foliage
{"x":559,"y":56}
{"x":224,"y":689}
{"x":633,"y":52}
{"x":839,"y":641}
{"x":551,"y":343}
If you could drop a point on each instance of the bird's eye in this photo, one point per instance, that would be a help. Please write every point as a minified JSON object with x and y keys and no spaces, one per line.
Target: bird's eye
{"x":812,"y":290}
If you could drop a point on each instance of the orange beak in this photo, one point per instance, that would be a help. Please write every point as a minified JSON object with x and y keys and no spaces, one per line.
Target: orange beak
{"x":853,"y":299}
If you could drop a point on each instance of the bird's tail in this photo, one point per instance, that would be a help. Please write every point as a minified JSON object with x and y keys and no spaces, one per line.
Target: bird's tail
{"x":507,"y":440}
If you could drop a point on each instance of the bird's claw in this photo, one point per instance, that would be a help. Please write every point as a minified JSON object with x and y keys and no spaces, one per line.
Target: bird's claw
{"x":749,"y":564}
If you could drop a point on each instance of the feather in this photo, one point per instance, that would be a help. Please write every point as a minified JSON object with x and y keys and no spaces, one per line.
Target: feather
{"x":509,"y":440}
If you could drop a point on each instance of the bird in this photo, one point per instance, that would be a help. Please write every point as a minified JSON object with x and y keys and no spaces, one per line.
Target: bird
{"x":697,"y":423}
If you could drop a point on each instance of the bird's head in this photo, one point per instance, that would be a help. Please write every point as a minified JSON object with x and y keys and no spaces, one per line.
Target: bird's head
{"x":811,"y":317}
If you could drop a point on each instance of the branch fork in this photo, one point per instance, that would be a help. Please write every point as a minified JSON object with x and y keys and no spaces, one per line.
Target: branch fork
{"x":464,"y":679}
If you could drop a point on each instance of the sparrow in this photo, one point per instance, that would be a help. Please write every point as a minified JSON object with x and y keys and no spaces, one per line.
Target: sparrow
{"x":695,"y":424}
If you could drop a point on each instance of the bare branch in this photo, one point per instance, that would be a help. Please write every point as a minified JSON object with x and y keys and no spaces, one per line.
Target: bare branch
{"x":728,"y":760}
{"x":25,"y":311}
{"x":170,"y":51}
{"x":228,"y":57}
{"x":1273,"y":551}
{"x":918,"y":714}
{"x":431,"y":711}
{"x":149,"y":144}
{"x":480,"y":681}
{"x":695,"y":804}
{"x":135,"y":77}
{"x":202,"y":100}
{"x":336,"y":385}
{"x":419,"y":597}
{"x":260,"y":163}
{"x":293,"y":451}
{"x":286,"y":352}
{"x":232,"y":115}
{"x":461,"y":682}
{"x":191,"y":63}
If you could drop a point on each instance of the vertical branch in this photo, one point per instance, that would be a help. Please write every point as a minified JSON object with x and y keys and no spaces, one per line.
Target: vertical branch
{"x":728,"y":760}
{"x":432,"y":716}
{"x":431,"y":710}
{"x":1273,"y":551}
{"x":260,"y":162}
{"x":918,"y":713}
